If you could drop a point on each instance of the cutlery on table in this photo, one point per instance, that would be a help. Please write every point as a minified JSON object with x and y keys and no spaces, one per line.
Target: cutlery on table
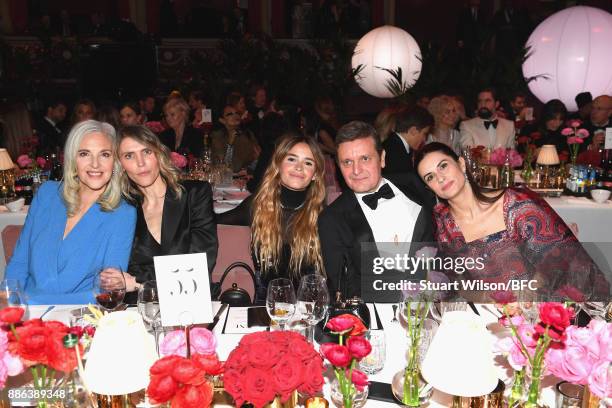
{"x":50,"y":308}
{"x":217,"y":316}
{"x":394,"y":314}
{"x":379,"y":325}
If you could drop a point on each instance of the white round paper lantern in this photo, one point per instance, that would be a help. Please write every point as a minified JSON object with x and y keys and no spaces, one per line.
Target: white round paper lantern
{"x":386,"y":47}
{"x":573,"y":49}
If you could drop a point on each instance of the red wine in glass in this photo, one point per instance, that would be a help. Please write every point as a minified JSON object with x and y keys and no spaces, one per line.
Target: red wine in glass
{"x":110,"y":300}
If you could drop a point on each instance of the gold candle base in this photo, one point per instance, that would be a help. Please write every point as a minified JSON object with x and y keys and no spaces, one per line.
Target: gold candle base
{"x":495,"y":399}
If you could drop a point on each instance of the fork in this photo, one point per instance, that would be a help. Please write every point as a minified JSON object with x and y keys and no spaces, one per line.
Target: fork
{"x":394,"y":314}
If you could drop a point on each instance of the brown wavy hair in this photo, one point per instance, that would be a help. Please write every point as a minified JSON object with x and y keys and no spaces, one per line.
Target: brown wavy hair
{"x":266,"y":228}
{"x":168,"y":172}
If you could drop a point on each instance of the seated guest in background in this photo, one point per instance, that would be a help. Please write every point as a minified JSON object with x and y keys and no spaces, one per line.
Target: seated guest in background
{"x":181,"y":137}
{"x":172,"y":217}
{"x":236,"y":100}
{"x":487,"y":129}
{"x":283,"y":213}
{"x":84,"y":109}
{"x":326,"y":124}
{"x":599,"y":121}
{"x":584,"y":101}
{"x":232,"y":144}
{"x":147,"y":107}
{"x":197,"y":102}
{"x":385,"y":121}
{"x":257,"y":107}
{"x":460,"y":108}
{"x":411,"y":130}
{"x":549,"y":127}
{"x":375,"y":209}
{"x":444,"y":111}
{"x":130,"y":114}
{"x":514,"y":231}
{"x":515,"y":107}
{"x":78,"y":227}
{"x":109,"y":114}
{"x":48,"y":129}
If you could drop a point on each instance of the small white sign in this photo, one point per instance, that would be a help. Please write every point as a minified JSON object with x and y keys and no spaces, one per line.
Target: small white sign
{"x":183,"y":289}
{"x":608,"y":143}
{"x":206,"y":116}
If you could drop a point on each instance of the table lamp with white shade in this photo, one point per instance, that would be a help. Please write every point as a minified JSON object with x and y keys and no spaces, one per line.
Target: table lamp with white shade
{"x":547,"y":157}
{"x":120,"y":355}
{"x":460,"y":359}
{"x":7,"y":177}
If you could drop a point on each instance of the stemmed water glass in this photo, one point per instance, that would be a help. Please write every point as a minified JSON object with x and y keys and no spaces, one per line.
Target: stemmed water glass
{"x":109,"y":288}
{"x":313,"y":301}
{"x":11,"y":294}
{"x":280,"y":301}
{"x":148,"y":307}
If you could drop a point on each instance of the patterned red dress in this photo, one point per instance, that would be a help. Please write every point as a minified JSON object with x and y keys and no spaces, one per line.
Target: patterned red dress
{"x":536,"y":244}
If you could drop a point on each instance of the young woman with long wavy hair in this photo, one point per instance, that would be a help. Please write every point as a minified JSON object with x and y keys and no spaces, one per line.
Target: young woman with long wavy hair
{"x":283,"y":213}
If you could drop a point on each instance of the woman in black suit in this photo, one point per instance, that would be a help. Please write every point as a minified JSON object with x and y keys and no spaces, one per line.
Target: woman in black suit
{"x":172,"y":217}
{"x":181,"y":137}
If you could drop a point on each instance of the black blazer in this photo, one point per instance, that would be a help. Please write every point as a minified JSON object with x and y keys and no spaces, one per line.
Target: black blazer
{"x":397,"y":160}
{"x":49,"y":137}
{"x":192,"y":142}
{"x":188,"y":226}
{"x":343,"y":227}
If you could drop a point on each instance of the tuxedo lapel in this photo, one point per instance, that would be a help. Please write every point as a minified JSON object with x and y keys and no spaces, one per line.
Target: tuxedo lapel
{"x":171,"y":218}
{"x":357,"y":221}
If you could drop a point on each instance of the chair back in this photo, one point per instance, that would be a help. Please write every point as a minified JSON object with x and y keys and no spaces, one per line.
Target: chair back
{"x":10,"y":235}
{"x":234,"y":246}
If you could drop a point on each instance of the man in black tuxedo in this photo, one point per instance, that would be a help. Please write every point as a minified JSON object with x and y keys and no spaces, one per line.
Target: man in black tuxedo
{"x":393,"y":209}
{"x":411,"y":130}
{"x":50,"y":135}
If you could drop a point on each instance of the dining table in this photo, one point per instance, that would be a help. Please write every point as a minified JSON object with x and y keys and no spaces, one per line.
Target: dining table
{"x":231,"y":328}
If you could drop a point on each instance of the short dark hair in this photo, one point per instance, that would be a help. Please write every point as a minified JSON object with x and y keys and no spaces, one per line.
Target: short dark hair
{"x":233,"y":98}
{"x":198,"y":95}
{"x":53,"y":102}
{"x":133,"y":106}
{"x":551,"y":109}
{"x":583,"y":99}
{"x":358,"y":130}
{"x":488,"y":89}
{"x":416,"y":117}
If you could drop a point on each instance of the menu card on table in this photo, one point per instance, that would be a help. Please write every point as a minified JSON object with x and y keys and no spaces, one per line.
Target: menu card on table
{"x":183,"y":289}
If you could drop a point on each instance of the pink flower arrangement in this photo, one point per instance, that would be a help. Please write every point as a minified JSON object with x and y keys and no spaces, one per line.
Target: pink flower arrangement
{"x":10,"y":364}
{"x":585,"y":358}
{"x":41,"y":162}
{"x":499,"y":155}
{"x":202,"y":341}
{"x":567,"y":132}
{"x":24,"y":161}
{"x":575,"y":137}
{"x":178,"y":160}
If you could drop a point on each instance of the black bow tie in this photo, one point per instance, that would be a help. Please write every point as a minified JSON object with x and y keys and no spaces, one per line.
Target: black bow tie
{"x":371,"y":200}
{"x":488,"y":123}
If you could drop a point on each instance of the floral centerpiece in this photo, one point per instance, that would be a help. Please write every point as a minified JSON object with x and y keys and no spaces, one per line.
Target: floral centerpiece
{"x":502,"y":155}
{"x":575,"y":137}
{"x":178,"y":160}
{"x":527,"y":349}
{"x":45,"y":347}
{"x":344,"y":357}
{"x":270,"y":365}
{"x":185,"y":381}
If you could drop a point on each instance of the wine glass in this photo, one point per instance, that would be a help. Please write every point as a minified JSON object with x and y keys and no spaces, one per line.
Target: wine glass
{"x":11,"y":294}
{"x":313,"y":301}
{"x":148,"y":307}
{"x":280,"y":301}
{"x":109,"y":288}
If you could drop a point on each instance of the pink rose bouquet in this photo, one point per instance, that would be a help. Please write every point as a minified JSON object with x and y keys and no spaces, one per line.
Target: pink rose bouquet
{"x":501,"y":154}
{"x":202,"y":341}
{"x":178,"y":160}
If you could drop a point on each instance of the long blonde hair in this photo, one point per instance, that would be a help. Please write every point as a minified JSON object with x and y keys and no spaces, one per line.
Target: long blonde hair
{"x":168,"y":172}
{"x":111,"y":197}
{"x":266,"y":228}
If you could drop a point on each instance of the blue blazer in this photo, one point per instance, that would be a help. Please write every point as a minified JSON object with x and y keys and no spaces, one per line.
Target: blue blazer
{"x":54,"y":270}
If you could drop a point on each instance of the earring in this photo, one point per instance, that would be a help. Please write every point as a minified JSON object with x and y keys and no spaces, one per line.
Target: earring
{"x":465,"y":175}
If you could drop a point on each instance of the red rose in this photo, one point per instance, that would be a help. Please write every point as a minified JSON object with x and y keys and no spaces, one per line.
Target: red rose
{"x":358,"y":347}
{"x":258,"y":387}
{"x":193,"y":396}
{"x":76,"y":330}
{"x":233,"y":385}
{"x":161,"y":388}
{"x":237,"y":358}
{"x":89,"y":331}
{"x":554,"y":334}
{"x":313,"y":381}
{"x":164,"y":365}
{"x":338,"y":356}
{"x":11,"y":315}
{"x":187,"y":371}
{"x":33,"y":322}
{"x":32,"y":343}
{"x":555,"y":315}
{"x":209,"y":362}
{"x":253,"y":337}
{"x":262,"y":355}
{"x":288,"y":376}
{"x":359,"y":379}
{"x":302,"y":349}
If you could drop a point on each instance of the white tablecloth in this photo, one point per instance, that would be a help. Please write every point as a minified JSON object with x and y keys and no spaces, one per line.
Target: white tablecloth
{"x":396,"y":346}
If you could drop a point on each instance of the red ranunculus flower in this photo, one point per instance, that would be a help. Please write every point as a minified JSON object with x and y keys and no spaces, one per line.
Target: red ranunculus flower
{"x":340,"y":324}
{"x":32,"y":344}
{"x":11,"y":315}
{"x":288,"y":375}
{"x":359,"y":379}
{"x":161,"y":388}
{"x":555,"y":315}
{"x":358,"y":347}
{"x":257,"y":387}
{"x":59,"y":357}
{"x":164,"y":365}
{"x":209,"y":362}
{"x":193,"y":396}
{"x":554,"y":334}
{"x":187,"y":371}
{"x":338,"y":355}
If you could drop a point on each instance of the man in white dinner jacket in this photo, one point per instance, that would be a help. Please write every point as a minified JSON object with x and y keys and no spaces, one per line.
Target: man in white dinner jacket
{"x":487,"y":129}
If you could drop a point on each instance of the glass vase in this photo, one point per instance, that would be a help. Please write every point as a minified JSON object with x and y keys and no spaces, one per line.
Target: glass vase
{"x":527,"y":172}
{"x":358,"y":399}
{"x":413,"y":393}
